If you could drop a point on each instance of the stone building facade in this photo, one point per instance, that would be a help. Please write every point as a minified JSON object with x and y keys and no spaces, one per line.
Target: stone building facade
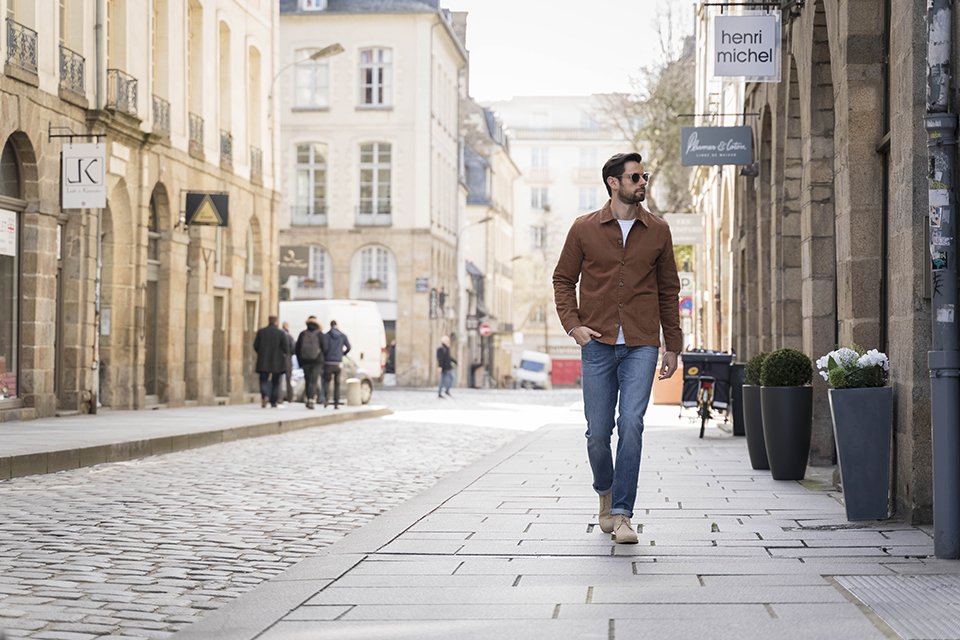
{"x":128,"y":306}
{"x":827,"y":237}
{"x":370,"y":154}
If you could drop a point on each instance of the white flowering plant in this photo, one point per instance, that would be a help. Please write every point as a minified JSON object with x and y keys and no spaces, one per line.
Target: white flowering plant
{"x":847,"y":368}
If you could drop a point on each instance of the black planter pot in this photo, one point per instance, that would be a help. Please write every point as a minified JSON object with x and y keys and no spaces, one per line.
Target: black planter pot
{"x":863,"y":427}
{"x":787,"y":422}
{"x":753,"y":425}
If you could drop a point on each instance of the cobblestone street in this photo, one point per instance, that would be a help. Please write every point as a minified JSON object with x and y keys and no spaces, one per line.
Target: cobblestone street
{"x":139,"y":549}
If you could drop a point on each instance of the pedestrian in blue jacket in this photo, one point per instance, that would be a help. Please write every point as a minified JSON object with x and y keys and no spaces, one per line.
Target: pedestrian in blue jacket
{"x":337,"y":346}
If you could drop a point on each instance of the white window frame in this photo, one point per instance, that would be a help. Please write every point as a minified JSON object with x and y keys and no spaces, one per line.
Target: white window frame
{"x":588,"y":198}
{"x":538,"y":237}
{"x":307,"y":210}
{"x":378,"y":208}
{"x":374,"y":268}
{"x":311,"y":81}
{"x":539,"y":157}
{"x":539,"y":197}
{"x":376,"y":77}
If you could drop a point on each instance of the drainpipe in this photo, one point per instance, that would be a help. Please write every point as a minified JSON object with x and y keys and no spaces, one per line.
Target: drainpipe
{"x":100,"y":68}
{"x":943,"y":358}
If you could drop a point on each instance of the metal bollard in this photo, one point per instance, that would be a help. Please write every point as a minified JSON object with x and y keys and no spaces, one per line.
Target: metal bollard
{"x":353,"y":392}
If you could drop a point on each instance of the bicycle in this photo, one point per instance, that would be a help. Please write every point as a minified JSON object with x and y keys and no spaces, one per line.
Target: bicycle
{"x":706,"y":384}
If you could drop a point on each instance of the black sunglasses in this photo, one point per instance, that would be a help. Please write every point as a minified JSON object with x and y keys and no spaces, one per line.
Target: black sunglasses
{"x":635,"y":177}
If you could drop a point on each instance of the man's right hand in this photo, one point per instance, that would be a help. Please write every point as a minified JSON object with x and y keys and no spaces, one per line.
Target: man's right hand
{"x":583,"y":335}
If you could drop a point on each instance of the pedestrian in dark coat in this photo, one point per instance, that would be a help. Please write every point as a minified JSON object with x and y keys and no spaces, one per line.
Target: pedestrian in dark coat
{"x":288,"y":372}
{"x":271,"y":347}
{"x":311,"y":347}
{"x":337,"y":346}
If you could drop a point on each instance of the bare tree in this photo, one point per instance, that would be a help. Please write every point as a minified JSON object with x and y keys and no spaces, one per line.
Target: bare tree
{"x":648,"y":116}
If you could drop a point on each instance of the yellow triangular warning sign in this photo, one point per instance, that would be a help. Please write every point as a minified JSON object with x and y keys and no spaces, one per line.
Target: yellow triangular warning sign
{"x":207,"y":213}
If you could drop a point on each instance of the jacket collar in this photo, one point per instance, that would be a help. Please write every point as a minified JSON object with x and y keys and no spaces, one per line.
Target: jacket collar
{"x":606,"y":214}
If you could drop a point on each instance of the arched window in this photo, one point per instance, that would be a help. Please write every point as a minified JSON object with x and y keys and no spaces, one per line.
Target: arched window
{"x":153,"y":231}
{"x":10,"y":185}
{"x":374,"y":274}
{"x":311,"y":203}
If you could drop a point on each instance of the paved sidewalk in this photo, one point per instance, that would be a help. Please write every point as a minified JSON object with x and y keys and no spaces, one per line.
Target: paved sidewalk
{"x":509,"y":547}
{"x":55,"y":444}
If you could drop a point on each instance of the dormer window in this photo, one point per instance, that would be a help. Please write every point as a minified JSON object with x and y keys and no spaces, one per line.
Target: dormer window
{"x":313,"y":5}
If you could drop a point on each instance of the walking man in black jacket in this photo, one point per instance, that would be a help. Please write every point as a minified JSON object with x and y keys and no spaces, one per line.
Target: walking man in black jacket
{"x":445,"y":364}
{"x":271,"y":347}
{"x":310,"y":348}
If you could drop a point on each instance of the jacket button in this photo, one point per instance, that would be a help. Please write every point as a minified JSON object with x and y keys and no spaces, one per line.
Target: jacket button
{"x":621,"y":304}
{"x":621,"y":283}
{"x":622,"y":262}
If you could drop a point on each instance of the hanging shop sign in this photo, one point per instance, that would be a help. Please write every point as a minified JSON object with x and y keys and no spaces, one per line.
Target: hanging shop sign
{"x":685,"y":228}
{"x":716,"y":145}
{"x":83,"y":176}
{"x":747,"y":46}
{"x":8,"y":233}
{"x":209,"y":209}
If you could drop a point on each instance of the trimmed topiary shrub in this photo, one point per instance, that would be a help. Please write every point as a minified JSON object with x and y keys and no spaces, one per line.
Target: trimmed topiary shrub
{"x":786,"y":368}
{"x":751,"y":373}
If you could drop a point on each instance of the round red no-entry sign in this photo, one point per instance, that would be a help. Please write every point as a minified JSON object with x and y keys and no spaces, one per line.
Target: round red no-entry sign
{"x":485,"y":329}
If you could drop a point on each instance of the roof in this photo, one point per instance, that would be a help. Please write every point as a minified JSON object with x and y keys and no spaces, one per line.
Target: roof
{"x":365,"y":6}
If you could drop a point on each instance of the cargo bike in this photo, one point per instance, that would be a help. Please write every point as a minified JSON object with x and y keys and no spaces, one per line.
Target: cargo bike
{"x":706,"y":384}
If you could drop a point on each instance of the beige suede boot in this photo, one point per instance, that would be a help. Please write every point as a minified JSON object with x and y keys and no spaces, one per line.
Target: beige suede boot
{"x":606,"y":520}
{"x":623,"y":532}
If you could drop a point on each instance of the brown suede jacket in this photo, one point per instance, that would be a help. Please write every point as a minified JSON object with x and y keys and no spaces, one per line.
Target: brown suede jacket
{"x":636,"y":286}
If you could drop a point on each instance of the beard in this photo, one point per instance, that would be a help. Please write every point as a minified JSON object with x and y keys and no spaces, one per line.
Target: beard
{"x":631,"y":197}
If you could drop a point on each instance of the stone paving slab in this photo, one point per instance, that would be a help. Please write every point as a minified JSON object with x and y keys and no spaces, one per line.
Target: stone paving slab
{"x":725,"y":552}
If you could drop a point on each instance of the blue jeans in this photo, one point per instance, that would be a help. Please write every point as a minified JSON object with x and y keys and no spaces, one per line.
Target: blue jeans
{"x":608,"y":372}
{"x":446,"y":381}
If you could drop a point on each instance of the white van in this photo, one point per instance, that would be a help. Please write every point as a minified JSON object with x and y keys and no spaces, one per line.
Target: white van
{"x":533,"y":371}
{"x":360,"y":320}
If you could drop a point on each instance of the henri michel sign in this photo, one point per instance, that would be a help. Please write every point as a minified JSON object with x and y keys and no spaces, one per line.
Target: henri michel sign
{"x":716,"y":145}
{"x":747,"y":46}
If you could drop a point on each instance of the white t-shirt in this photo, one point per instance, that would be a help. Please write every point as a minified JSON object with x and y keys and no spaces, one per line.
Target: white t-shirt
{"x":625,"y":226}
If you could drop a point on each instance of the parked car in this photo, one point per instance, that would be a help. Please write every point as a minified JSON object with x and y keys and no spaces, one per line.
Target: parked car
{"x":348,"y":369}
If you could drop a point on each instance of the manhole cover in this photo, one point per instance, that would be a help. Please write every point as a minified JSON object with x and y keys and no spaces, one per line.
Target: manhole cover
{"x":916,"y":607}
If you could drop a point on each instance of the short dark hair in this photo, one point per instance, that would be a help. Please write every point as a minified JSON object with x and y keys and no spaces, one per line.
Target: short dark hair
{"x":614,"y":166}
{"x":333,"y":323}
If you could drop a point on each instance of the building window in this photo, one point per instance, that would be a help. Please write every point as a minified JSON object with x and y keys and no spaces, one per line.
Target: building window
{"x":153,"y":232}
{"x":311,"y":81}
{"x":376,"y":77}
{"x":375,"y":175}
{"x":539,"y":157}
{"x":538,"y":315}
{"x":311,"y":203}
{"x":588,"y":158}
{"x":313,"y":5}
{"x":538,"y":237}
{"x":317,"y":267}
{"x":538,"y":198}
{"x":374,"y":268}
{"x":588,"y":198}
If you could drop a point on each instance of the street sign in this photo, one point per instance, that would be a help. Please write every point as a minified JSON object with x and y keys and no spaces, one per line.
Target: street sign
{"x":686,"y":307}
{"x":210,"y":209}
{"x":685,"y":228}
{"x":687,"y":282}
{"x":485,"y":329}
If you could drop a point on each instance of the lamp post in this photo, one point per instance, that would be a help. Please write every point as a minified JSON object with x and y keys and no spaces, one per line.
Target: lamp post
{"x":323,"y":52}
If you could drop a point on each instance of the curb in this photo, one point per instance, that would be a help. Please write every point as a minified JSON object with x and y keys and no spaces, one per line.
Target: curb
{"x":74,"y":458}
{"x":259,"y":609}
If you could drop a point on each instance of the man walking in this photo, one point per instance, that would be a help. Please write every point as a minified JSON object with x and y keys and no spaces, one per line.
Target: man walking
{"x":445,"y":364}
{"x":288,"y":361}
{"x":310,"y":353}
{"x":622,"y":256}
{"x":337,"y":346}
{"x":271,"y":347}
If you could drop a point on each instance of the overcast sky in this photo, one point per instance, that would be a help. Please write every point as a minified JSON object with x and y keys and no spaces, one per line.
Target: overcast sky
{"x":562,"y":47}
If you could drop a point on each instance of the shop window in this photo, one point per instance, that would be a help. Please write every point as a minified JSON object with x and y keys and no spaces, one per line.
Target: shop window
{"x":9,"y":276}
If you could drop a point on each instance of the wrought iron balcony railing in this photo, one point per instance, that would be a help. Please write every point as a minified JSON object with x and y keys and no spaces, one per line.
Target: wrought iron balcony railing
{"x":71,"y":71}
{"x":161,"y":116}
{"x":196,"y":134}
{"x":256,"y":164}
{"x":226,"y":147}
{"x":121,"y":92}
{"x":21,"y":46}
{"x":309,"y":216}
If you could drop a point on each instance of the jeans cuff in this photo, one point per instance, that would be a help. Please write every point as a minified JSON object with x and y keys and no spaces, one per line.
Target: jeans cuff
{"x":621,"y":512}
{"x":605,"y":493}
